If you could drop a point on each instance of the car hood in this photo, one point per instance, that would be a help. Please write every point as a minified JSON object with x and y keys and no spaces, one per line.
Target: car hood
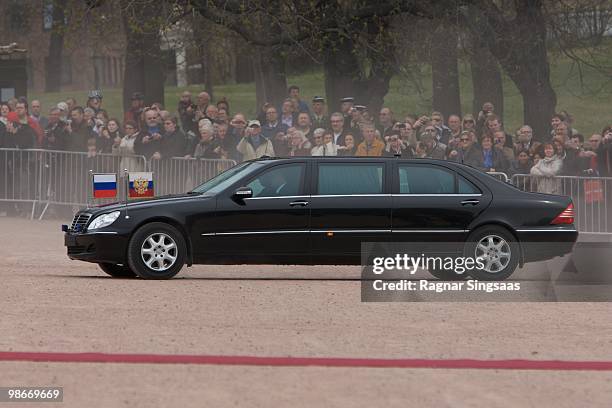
{"x":140,"y":203}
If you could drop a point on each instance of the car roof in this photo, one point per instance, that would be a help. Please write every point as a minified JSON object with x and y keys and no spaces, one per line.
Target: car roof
{"x":491,"y":182}
{"x":362,"y":158}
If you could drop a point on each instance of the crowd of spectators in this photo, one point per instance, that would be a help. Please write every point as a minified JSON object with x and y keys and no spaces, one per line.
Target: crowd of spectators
{"x":199,"y":128}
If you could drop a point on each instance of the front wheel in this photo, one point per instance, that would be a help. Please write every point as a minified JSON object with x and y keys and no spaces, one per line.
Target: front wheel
{"x":157,"y":251}
{"x":497,"y":251}
{"x":117,"y":271}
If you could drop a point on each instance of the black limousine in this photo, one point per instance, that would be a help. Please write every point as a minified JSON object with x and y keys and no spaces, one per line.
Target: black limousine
{"x":319,"y":210}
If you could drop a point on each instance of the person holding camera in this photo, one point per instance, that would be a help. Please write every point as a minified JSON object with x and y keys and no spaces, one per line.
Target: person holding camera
{"x":109,"y":135}
{"x":148,"y":143}
{"x":254,"y":145}
{"x":55,"y":132}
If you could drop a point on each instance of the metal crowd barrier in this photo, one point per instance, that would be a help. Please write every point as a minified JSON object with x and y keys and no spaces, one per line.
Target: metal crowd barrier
{"x":499,"y":175}
{"x":20,"y":180}
{"x":590,"y":195}
{"x":37,"y":177}
{"x":178,"y":175}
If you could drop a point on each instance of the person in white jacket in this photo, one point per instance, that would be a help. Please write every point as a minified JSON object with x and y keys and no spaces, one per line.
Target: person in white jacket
{"x":325,"y":146}
{"x":546,"y":169}
{"x":254,"y":145}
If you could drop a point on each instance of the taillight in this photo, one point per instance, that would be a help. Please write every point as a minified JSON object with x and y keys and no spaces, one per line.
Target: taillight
{"x":566,"y":216}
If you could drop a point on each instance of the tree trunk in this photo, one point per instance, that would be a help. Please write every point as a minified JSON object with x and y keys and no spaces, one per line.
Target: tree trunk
{"x":445,"y":71}
{"x":344,"y":76}
{"x":144,"y":62}
{"x":270,"y":76}
{"x":486,"y":78}
{"x":520,"y":47}
{"x":53,"y":77}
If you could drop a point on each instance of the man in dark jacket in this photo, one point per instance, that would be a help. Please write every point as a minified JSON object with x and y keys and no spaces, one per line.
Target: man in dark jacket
{"x":396,"y":148}
{"x":174,"y":141}
{"x":148,"y":143}
{"x":79,"y":132}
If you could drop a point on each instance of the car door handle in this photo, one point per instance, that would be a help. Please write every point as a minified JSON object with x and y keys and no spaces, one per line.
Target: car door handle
{"x":303,"y":203}
{"x":471,"y":201}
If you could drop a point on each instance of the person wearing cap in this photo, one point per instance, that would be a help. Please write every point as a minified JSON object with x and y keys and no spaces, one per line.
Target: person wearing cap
{"x":94,"y":100}
{"x":371,"y":145}
{"x":136,"y":107}
{"x":254,"y":145}
{"x":345,"y":108}
{"x":319,"y":118}
{"x":468,"y":122}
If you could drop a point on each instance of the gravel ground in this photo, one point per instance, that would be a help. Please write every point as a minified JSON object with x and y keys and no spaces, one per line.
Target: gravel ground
{"x":52,"y":304}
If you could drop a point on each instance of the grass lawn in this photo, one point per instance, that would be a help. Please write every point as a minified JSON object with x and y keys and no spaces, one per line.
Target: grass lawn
{"x":587,"y":95}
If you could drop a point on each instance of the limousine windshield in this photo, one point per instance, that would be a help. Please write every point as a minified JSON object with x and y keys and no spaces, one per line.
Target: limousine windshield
{"x":227,"y":178}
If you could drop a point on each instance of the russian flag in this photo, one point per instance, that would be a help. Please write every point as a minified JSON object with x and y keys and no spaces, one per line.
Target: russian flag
{"x":104,"y":185}
{"x":141,"y":185}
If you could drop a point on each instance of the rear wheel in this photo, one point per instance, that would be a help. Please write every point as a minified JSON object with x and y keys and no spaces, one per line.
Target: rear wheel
{"x":157,"y":251}
{"x":117,"y":271}
{"x":497,"y":250}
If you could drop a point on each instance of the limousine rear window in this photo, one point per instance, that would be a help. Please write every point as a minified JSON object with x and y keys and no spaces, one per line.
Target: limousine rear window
{"x":426,"y":180}
{"x":228,"y":177}
{"x":349,"y":179}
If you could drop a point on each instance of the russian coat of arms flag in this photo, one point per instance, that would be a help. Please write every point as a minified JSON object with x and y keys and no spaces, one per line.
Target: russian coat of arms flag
{"x":104,"y":185}
{"x":141,"y":185}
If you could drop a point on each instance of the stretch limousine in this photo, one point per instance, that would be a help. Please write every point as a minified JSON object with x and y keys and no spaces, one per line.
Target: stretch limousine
{"x":319,"y":210}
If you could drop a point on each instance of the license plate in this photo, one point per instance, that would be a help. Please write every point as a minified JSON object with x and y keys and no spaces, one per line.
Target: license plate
{"x":69,"y":240}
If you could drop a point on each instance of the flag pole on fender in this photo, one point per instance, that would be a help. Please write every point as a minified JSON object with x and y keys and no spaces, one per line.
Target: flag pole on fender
{"x":126,"y":180}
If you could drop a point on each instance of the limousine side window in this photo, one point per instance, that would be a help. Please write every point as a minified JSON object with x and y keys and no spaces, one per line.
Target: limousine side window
{"x":432,"y":180}
{"x":278,"y":181}
{"x":425,"y":180}
{"x":349,"y":179}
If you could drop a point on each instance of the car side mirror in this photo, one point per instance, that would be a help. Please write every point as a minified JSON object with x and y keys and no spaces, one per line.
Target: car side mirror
{"x":242,"y":193}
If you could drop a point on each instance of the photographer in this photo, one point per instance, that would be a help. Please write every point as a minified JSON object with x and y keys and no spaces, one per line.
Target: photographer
{"x":78,"y":131}
{"x":55,"y":132}
{"x":109,"y":135}
{"x":254,"y":145}
{"x":148,"y":143}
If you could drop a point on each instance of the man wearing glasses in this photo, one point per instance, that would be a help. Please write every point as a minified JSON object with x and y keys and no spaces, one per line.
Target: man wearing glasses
{"x":466,"y":151}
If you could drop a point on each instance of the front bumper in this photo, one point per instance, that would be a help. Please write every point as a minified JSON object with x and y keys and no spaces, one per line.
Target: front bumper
{"x":542,"y":243}
{"x":97,"y":247}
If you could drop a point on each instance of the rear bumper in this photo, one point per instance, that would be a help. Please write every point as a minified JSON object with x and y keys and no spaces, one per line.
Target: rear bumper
{"x":542,"y":243}
{"x":96,"y":247}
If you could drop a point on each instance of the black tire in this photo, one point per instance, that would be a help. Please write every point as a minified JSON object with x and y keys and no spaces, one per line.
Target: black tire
{"x":503,"y":265}
{"x":117,"y":271}
{"x":445,"y":275}
{"x":160,"y":267}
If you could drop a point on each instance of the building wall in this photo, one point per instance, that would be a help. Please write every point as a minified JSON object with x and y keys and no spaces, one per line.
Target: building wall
{"x":93,"y":53}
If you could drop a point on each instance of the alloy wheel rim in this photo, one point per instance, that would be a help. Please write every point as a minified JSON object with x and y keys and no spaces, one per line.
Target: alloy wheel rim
{"x":159,"y":252}
{"x":495,"y":253}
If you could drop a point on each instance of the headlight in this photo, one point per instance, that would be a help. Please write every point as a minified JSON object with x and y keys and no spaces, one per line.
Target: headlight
{"x":104,"y":220}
